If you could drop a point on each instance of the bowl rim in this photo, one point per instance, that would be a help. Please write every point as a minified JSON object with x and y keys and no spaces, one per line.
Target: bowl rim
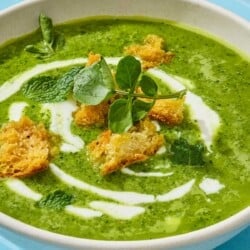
{"x":237,"y":221}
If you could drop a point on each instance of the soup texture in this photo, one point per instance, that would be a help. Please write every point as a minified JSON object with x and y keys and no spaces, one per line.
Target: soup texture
{"x":199,"y":176}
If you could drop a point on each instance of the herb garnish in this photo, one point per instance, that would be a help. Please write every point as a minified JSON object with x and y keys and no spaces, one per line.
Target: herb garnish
{"x":46,"y":89}
{"x":95,"y":84}
{"x":186,"y":154}
{"x":56,"y":200}
{"x":52,"y":40}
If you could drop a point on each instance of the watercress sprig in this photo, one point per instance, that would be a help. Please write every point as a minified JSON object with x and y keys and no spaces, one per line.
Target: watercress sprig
{"x":95,"y":84}
{"x":51,"y":40}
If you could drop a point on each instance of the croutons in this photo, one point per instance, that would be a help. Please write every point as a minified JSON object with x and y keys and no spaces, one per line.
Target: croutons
{"x":88,"y":115}
{"x":169,"y":111}
{"x":115,"y":151}
{"x":24,"y":148}
{"x":151,"y":52}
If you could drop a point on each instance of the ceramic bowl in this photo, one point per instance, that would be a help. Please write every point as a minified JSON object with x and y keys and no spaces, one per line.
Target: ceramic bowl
{"x":22,"y":19}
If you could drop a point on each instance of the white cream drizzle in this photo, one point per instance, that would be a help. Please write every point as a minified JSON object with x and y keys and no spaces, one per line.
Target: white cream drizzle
{"x":176,"y":193}
{"x":124,"y":197}
{"x":145,"y":174}
{"x":211,"y":186}
{"x":22,"y":189}
{"x":117,"y":211}
{"x":61,"y":119}
{"x":208,"y":120}
{"x":16,"y":110}
{"x":83,"y":212}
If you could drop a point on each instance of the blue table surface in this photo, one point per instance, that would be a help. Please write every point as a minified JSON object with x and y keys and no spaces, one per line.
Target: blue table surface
{"x":239,"y":242}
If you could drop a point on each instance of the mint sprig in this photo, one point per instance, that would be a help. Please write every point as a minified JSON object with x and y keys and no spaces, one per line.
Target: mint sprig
{"x":51,"y":40}
{"x":47,"y":89}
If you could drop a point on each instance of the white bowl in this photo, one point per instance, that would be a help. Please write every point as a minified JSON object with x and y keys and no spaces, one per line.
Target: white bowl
{"x":235,"y":31}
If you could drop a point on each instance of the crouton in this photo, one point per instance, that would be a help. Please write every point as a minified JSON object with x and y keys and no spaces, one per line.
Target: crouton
{"x":88,"y":115}
{"x":24,"y":148}
{"x":115,"y":151}
{"x":151,"y":52}
{"x":92,"y":58}
{"x":169,"y":111}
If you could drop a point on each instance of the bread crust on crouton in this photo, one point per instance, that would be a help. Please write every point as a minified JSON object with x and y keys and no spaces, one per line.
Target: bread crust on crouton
{"x":24,"y":148}
{"x":115,"y":151}
{"x":88,"y":115}
{"x":169,"y":111}
{"x":151,"y":52}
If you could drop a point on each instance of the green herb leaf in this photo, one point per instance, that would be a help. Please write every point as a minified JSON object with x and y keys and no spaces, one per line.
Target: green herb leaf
{"x":120,"y":116}
{"x":47,"y":29}
{"x":59,"y":41}
{"x":56,"y":200}
{"x":187,"y":154}
{"x":140,"y":109}
{"x":148,"y":86}
{"x":94,"y":84}
{"x":46,"y":89}
{"x":128,"y":72}
{"x":52,"y":41}
{"x":35,"y":50}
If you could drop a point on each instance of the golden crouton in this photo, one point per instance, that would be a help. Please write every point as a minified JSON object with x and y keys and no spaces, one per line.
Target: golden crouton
{"x":88,"y":115}
{"x":24,"y":148}
{"x":169,"y":111}
{"x":92,"y":58}
{"x":115,"y":151}
{"x":151,"y":52}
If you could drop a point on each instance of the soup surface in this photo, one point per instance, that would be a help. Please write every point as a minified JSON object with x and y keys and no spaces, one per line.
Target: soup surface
{"x":159,"y":197}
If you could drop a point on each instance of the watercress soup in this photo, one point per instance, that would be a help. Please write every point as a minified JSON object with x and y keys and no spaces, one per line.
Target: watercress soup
{"x":197,"y":173}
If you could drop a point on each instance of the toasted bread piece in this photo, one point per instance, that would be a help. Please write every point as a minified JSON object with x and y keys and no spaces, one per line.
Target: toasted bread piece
{"x":151,"y":52}
{"x":88,"y":115}
{"x":169,"y":111}
{"x":24,"y":148}
{"x":115,"y":151}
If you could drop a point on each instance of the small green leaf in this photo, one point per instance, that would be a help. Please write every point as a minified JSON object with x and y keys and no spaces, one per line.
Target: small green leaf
{"x":94,"y":84}
{"x":187,"y":154}
{"x":128,"y":72}
{"x":59,"y":41}
{"x":148,"y":86}
{"x":120,"y":116}
{"x":47,"y":29}
{"x":140,"y":109}
{"x":56,"y":200}
{"x":46,"y":89}
{"x":35,"y":50}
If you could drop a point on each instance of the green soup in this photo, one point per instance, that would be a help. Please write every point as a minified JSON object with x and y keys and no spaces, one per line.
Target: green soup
{"x":158,"y":197}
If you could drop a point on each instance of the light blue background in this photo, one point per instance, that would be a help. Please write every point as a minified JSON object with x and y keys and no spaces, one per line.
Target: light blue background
{"x":11,"y":241}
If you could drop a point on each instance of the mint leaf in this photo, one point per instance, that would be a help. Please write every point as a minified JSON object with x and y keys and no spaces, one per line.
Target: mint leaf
{"x":51,"y":40}
{"x":186,"y":154}
{"x":56,"y":200}
{"x":47,"y":29}
{"x":47,"y":89}
{"x":148,"y":86}
{"x":140,"y":109}
{"x":94,"y":84}
{"x":128,"y":72}
{"x":120,"y":116}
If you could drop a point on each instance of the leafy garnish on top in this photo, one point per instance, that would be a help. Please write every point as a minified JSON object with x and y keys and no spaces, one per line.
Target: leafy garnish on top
{"x":56,"y":200}
{"x":46,"y":89}
{"x":187,"y":154}
{"x":51,"y":40}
